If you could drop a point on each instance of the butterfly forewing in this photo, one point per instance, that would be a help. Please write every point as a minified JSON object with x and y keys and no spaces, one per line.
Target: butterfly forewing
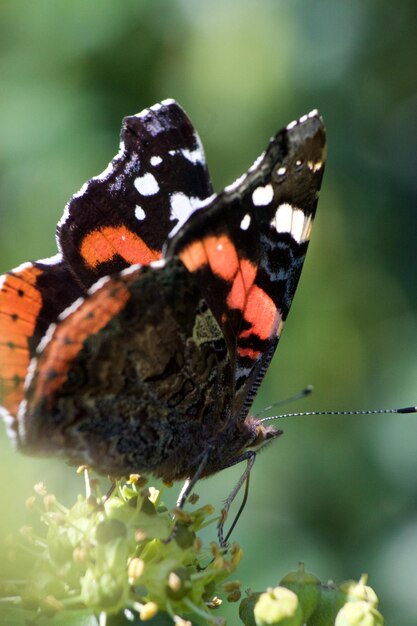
{"x":123,"y":215}
{"x":247,"y":248}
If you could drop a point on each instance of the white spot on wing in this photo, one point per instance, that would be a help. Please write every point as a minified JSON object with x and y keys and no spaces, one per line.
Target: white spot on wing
{"x":139,"y":213}
{"x":297,"y":224}
{"x":292,"y":125}
{"x":263,"y":196}
{"x":195,"y":156}
{"x":156,"y":160}
{"x":245,"y":223}
{"x":146,"y":185}
{"x":281,"y":171}
{"x":289,"y":219}
{"x":181,"y":206}
{"x":282,"y":219}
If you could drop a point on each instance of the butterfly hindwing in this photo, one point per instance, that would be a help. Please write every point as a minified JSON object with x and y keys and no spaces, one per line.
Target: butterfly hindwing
{"x":31,"y":298}
{"x":124,"y":378}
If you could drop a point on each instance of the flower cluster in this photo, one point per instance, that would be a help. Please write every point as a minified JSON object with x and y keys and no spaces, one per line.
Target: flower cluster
{"x":122,"y":552}
{"x":301,"y":599}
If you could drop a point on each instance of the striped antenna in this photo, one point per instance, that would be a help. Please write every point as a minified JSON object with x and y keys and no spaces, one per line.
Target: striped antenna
{"x":408,"y":409}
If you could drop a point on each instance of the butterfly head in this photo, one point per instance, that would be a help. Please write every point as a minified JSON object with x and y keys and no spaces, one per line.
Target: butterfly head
{"x":261,"y":434}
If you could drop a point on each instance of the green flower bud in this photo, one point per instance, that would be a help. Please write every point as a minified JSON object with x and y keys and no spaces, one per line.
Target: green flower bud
{"x":184,"y":536}
{"x":307,"y":587}
{"x":278,"y":607}
{"x":247,"y":607}
{"x":359,"y":613}
{"x":331,"y":600}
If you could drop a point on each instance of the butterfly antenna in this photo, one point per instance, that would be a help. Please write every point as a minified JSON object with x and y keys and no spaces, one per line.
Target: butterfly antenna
{"x":297,"y":396}
{"x":408,"y":409}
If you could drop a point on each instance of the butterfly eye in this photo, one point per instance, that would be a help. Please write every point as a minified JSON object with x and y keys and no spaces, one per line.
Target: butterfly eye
{"x":259,"y":438}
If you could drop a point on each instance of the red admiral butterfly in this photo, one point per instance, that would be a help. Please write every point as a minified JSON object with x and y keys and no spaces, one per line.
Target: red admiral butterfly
{"x":140,"y":346}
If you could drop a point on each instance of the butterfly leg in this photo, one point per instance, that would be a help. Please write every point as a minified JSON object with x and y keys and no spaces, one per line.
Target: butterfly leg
{"x":188,"y":486}
{"x":192,"y":480}
{"x":248,"y":456}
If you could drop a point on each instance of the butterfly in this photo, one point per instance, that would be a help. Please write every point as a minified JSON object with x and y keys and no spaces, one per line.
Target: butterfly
{"x":140,"y":346}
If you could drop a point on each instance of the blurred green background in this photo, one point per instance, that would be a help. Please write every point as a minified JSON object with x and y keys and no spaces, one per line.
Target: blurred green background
{"x":338,"y":492}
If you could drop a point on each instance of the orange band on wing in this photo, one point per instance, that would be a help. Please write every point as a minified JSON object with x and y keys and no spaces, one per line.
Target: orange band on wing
{"x":69,"y":335}
{"x":218,"y":252}
{"x":20,"y":303}
{"x":242,"y":283}
{"x":258,"y":309}
{"x":103,"y":244}
{"x":262,"y":313}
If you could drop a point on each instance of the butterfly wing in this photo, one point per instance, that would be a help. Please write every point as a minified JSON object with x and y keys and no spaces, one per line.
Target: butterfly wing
{"x":248,"y":245}
{"x":119,"y":217}
{"x":31,"y":297}
{"x":123,"y":215}
{"x":135,"y":377}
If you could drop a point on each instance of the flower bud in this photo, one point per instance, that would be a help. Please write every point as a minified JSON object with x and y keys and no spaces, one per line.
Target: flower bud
{"x":178,"y":583}
{"x":331,"y":600}
{"x":278,"y":607}
{"x":307,"y":587}
{"x":148,"y":611}
{"x":359,"y":613}
{"x":359,"y":591}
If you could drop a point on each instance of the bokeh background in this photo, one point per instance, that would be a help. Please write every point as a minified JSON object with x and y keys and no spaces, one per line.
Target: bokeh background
{"x":339,"y":493}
